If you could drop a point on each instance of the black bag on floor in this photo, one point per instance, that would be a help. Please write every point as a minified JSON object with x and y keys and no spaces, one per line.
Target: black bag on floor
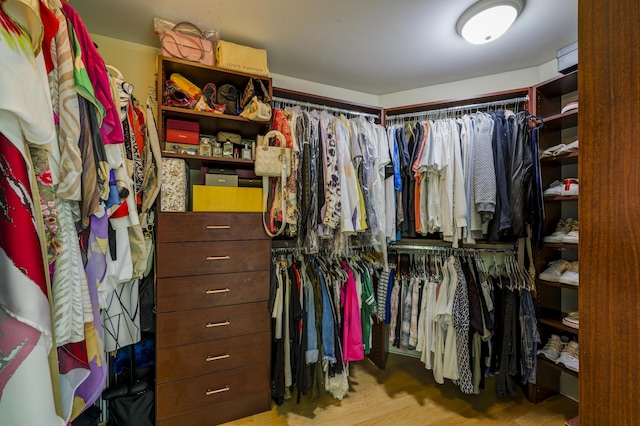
{"x":133,"y":407}
{"x":131,"y":403}
{"x":88,"y":418}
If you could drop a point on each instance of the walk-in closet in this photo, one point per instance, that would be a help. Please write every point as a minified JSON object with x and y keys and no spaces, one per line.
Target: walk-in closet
{"x":329,"y":213}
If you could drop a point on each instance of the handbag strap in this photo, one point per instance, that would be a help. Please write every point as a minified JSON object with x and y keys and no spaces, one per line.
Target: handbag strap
{"x":179,"y":45}
{"x":265,"y":196}
{"x":189,"y":26}
{"x":265,"y":184}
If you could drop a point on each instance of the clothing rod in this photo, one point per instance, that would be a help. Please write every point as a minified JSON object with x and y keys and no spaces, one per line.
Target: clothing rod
{"x":309,"y":105}
{"x":392,"y":118}
{"x":400,"y":248}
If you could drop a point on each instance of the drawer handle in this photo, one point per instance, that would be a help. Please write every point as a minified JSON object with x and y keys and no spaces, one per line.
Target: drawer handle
{"x":211,"y":392}
{"x":216,"y":358}
{"x":223,"y":290}
{"x":218,"y":257}
{"x":217,"y":324}
{"x":218,"y":227}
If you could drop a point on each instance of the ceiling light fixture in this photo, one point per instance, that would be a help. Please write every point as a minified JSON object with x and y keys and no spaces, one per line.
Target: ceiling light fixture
{"x":487,"y":20}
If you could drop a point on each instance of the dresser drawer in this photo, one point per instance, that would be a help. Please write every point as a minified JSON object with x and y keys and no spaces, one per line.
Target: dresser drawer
{"x":181,"y":259}
{"x":194,"y":226}
{"x":182,"y":362}
{"x":201,"y":325}
{"x":208,"y":291}
{"x":221,"y":413}
{"x":192,"y":394}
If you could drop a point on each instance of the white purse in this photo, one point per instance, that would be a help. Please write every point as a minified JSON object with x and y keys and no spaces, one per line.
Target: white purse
{"x":273,"y":161}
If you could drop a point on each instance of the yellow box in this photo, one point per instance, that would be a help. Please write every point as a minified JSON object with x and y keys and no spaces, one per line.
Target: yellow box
{"x":226,"y":199}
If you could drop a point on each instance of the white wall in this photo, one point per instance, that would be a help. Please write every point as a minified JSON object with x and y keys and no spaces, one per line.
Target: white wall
{"x":138,"y":64}
{"x":472,"y":87}
{"x":320,"y":89}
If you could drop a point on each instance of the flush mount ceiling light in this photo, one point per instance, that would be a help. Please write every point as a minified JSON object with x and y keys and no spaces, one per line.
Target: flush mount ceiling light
{"x":487,"y":20}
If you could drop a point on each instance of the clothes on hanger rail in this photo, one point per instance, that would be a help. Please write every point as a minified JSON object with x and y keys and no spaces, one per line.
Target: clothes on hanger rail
{"x":335,"y":191}
{"x":467,"y":321}
{"x":470,"y":177}
{"x":71,"y":239}
{"x":322,"y":310}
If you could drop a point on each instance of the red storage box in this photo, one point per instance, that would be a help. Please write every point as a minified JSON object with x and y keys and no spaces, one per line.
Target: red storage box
{"x":181,"y":131}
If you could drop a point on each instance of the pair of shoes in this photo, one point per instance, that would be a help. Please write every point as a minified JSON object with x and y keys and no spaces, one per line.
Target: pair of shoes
{"x":570,"y":356}
{"x":554,"y":347}
{"x":560,"y":149}
{"x":561,"y":351}
{"x":567,"y":232}
{"x":561,"y":271}
{"x":562,"y":189}
{"x":572,"y":320}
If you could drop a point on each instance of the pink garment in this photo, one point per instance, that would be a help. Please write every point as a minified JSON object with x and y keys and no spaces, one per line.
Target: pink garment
{"x":111,"y":128}
{"x":353,"y":349}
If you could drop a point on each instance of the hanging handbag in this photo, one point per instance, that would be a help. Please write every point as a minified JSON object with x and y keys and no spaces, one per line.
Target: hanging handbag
{"x":177,"y":44}
{"x":273,"y":161}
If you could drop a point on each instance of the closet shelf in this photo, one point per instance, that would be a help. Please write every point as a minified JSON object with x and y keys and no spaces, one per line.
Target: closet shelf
{"x":571,"y":158}
{"x":211,"y":123}
{"x":553,"y":365}
{"x":560,"y":246}
{"x":562,"y":121}
{"x":540,"y":282}
{"x":557,"y":323}
{"x":562,"y":198}
{"x":197,"y":161}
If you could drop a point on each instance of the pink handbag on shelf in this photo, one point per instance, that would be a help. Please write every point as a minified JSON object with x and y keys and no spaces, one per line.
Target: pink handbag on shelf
{"x":178,"y":44}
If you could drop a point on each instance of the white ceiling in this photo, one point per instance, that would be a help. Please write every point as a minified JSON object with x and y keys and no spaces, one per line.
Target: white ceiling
{"x":372,"y":46}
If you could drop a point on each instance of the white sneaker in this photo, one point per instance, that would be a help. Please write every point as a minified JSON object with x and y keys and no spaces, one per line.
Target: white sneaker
{"x":562,"y":229}
{"x":569,"y":356}
{"x":554,"y":190}
{"x":570,"y":276}
{"x":569,"y":107}
{"x":556,"y":269}
{"x":572,"y":320}
{"x":568,"y":148}
{"x":570,"y":187}
{"x":553,"y":151}
{"x":554,"y":347}
{"x":573,"y":236}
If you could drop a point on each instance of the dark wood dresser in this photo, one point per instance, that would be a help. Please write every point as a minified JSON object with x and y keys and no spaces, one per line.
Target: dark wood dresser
{"x":213,"y":323}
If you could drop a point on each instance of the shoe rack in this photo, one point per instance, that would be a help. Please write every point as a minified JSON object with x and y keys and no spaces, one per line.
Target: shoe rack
{"x":555,"y":300}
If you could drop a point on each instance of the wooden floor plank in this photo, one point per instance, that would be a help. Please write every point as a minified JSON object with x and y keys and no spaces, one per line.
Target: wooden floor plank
{"x":406,"y":394}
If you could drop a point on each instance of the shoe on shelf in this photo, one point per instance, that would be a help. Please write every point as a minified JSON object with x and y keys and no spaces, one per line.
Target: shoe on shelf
{"x":554,"y":347}
{"x":555,"y":270}
{"x":552,"y":151}
{"x":554,"y":190}
{"x":570,"y":276}
{"x":562,"y":229}
{"x":569,"y":356}
{"x":573,"y":236}
{"x":569,"y":187}
{"x":569,"y":107}
{"x":572,"y":320}
{"x":568,"y":148}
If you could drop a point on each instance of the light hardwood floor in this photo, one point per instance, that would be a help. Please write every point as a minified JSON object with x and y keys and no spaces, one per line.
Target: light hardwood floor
{"x":406,"y":394}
